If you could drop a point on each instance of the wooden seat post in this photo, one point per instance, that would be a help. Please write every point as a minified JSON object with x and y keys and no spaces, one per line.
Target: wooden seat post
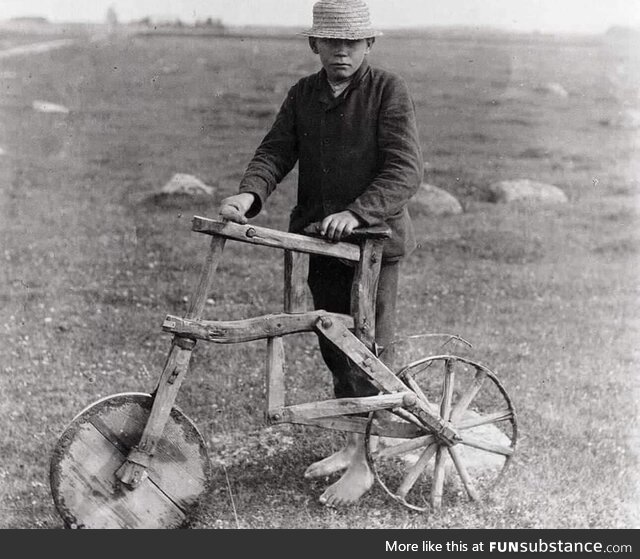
{"x":364,"y":291}
{"x":295,"y":281}
{"x":295,"y":268}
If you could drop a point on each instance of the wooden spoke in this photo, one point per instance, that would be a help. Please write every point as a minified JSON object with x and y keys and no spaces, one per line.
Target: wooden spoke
{"x":414,"y":386}
{"x":408,"y":416}
{"x":447,"y":390}
{"x":485,"y":445}
{"x":463,"y":403}
{"x":404,"y":446}
{"x":438,"y":479}
{"x":414,"y":472}
{"x":464,"y":475}
{"x":397,"y":423}
{"x":496,"y":417}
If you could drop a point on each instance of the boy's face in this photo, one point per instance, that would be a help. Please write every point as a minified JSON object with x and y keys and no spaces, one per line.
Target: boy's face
{"x":340,"y":58}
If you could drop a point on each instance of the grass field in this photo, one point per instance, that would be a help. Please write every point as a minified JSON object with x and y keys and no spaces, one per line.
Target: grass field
{"x":92,"y":260}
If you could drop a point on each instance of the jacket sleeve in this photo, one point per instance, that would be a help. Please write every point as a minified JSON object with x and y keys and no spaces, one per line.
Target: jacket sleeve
{"x":400,"y":155}
{"x":276,"y":155}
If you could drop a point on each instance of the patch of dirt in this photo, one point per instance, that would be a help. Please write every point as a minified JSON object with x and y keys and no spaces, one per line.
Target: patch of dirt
{"x":35,"y":48}
{"x":242,"y":448}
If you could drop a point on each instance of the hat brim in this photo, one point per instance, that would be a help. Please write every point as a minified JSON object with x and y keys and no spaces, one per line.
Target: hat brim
{"x":354,"y":35}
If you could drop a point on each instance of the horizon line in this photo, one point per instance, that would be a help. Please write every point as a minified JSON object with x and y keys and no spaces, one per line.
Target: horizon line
{"x":35,"y":19}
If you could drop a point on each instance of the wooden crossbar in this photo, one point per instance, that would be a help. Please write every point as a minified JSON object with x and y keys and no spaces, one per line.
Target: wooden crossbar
{"x":250,"y":329}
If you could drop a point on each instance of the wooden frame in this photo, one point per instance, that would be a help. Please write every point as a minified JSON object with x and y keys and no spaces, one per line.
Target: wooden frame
{"x":353,"y":334}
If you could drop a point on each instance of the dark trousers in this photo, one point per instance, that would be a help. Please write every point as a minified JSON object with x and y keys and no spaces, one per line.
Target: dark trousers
{"x":330,"y":283}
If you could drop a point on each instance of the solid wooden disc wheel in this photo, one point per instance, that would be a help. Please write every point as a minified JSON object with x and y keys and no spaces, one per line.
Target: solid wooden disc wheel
{"x":92,"y":448}
{"x":417,"y":471}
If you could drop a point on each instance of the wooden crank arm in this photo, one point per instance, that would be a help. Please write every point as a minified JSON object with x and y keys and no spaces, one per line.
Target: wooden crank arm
{"x":383,"y":378}
{"x":247,"y":330}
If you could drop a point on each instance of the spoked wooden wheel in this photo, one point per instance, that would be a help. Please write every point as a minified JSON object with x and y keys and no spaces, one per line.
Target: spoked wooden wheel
{"x":418,"y":471}
{"x":92,"y":448}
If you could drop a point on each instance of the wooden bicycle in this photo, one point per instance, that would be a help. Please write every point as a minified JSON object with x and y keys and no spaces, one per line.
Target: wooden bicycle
{"x":134,"y":460}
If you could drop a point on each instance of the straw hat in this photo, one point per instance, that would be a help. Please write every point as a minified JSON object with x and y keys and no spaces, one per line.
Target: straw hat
{"x":341,"y":19}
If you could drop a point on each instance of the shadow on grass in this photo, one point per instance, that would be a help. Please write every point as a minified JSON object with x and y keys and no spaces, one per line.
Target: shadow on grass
{"x":271,"y":492}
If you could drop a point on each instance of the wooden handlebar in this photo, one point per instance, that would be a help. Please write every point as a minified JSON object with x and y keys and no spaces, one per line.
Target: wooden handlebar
{"x":357,"y":235}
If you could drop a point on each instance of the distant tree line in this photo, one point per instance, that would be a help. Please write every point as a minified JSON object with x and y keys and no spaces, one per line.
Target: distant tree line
{"x":208,"y":23}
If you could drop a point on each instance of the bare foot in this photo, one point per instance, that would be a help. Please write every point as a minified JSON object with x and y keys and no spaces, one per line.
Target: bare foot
{"x":354,"y":483}
{"x":331,"y":464}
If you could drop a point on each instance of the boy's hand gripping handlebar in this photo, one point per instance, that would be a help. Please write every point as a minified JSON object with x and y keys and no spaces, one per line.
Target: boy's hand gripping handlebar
{"x":356,"y":236}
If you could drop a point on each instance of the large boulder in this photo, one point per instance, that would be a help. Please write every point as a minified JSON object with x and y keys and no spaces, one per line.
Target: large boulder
{"x":525,"y":190}
{"x":431,"y":200}
{"x":182,"y":183}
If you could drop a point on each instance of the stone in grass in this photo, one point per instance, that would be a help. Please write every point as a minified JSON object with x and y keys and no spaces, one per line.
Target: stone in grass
{"x":478,"y":462}
{"x":182,"y":183}
{"x":553,"y":89}
{"x":629,"y":119}
{"x":431,"y":200}
{"x":525,"y":190}
{"x":46,"y":107}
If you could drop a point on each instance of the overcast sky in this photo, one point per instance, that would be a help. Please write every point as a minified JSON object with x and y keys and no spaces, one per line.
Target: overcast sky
{"x":582,"y":16}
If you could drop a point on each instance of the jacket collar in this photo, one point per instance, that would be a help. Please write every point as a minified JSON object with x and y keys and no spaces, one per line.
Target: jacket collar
{"x":326,"y":97}
{"x":323,"y":83}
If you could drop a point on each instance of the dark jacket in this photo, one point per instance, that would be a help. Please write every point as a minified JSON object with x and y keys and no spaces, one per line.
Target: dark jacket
{"x":358,"y":152}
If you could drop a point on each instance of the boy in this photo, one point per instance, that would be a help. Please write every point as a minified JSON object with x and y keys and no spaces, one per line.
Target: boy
{"x":352,"y":130}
